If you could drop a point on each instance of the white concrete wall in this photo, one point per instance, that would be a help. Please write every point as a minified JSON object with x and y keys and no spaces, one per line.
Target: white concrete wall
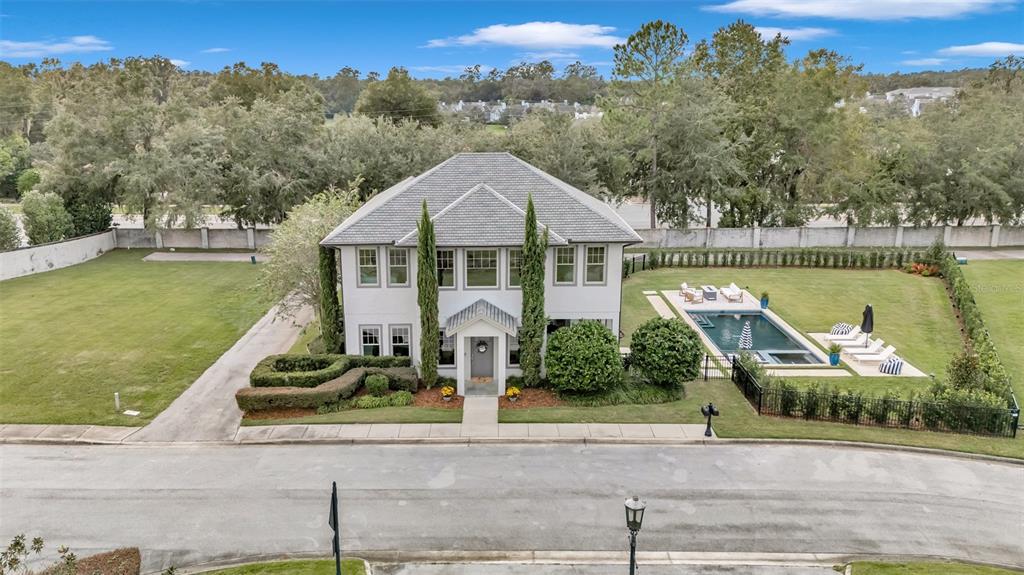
{"x":46,"y":257}
{"x":181,"y":238}
{"x":819,"y":237}
{"x":386,"y":305}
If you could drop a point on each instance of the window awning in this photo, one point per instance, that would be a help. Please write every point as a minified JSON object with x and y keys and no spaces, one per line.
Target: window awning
{"x":482,"y":310}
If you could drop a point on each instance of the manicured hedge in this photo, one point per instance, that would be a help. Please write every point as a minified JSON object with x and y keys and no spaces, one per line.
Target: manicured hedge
{"x":261,"y":398}
{"x":809,"y":257}
{"x":583,"y":358}
{"x":300,"y":370}
{"x":666,"y":352}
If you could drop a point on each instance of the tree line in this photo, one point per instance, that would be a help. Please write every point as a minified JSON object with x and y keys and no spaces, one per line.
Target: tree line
{"x":728,"y":123}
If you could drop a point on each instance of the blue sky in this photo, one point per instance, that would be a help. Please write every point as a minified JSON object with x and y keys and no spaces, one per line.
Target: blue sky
{"x":434,"y":39}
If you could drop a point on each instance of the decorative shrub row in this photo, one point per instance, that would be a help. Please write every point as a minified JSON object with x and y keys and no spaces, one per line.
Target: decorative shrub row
{"x":300,"y":370}
{"x":975,"y":332}
{"x":810,"y":257}
{"x":403,"y":379}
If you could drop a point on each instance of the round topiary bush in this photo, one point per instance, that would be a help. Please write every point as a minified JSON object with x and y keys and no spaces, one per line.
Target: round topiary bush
{"x":377,"y":385}
{"x":583,"y":358}
{"x":666,"y":352}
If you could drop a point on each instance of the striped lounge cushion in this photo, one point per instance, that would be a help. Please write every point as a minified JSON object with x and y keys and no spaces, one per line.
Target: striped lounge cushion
{"x":891,"y":366}
{"x":841,"y":328}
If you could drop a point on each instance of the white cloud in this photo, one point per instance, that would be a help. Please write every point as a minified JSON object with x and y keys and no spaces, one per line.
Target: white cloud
{"x":997,"y":49}
{"x":215,"y":50}
{"x":795,"y":34}
{"x":551,"y":55}
{"x":925,"y":62}
{"x":42,"y":48}
{"x":536,"y":35}
{"x":180,"y":63}
{"x":861,"y":9}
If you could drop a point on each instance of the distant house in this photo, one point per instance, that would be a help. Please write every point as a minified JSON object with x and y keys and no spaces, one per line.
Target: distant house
{"x":916,"y":99}
{"x":477,"y":203}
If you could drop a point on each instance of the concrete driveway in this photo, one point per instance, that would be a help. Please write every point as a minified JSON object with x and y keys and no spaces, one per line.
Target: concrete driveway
{"x":184,"y":505}
{"x":207,"y":410}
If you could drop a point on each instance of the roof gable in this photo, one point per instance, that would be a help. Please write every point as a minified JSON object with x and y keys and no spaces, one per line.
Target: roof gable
{"x":480,"y":217}
{"x":567,"y":212}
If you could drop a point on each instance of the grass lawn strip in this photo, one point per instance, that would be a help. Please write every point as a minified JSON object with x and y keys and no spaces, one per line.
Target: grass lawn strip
{"x":378,"y":415}
{"x":301,"y":567}
{"x":72,"y":337}
{"x":925,"y":568}
{"x":998,"y":288}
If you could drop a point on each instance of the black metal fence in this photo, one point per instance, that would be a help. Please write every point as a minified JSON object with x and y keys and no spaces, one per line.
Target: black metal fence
{"x":857,"y":409}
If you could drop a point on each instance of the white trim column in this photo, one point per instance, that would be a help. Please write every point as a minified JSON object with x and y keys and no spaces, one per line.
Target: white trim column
{"x":460,"y":363}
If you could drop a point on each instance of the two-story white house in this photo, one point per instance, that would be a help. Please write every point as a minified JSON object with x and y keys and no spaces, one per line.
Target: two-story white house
{"x":477,"y":202}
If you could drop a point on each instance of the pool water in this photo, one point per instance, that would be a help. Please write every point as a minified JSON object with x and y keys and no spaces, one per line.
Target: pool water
{"x":771,"y":344}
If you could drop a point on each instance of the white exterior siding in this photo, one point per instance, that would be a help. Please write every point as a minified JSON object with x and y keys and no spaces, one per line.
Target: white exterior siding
{"x":385,"y":306}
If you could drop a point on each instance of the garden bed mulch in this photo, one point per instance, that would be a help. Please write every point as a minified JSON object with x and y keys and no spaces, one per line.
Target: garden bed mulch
{"x":125,"y":561}
{"x":422,"y":398}
{"x":532,"y":397}
{"x":432,"y":398}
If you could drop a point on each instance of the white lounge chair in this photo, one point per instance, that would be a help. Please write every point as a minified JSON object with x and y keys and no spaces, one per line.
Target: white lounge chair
{"x":690,"y":294}
{"x":732,"y":292}
{"x":875,"y":347}
{"x":858,"y":341}
{"x":845,"y":337}
{"x":877,"y":357}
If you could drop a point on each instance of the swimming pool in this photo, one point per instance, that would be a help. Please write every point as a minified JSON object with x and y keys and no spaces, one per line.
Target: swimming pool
{"x":770,"y":343}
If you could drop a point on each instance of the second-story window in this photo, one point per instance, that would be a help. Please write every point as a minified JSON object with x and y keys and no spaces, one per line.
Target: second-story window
{"x":565,"y":265}
{"x":446,"y":268}
{"x":368,"y":267}
{"x":595,"y":265}
{"x":515,"y":267}
{"x":482,"y":268}
{"x":398,"y":267}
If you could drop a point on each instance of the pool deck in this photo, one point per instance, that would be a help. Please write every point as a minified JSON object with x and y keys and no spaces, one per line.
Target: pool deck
{"x":750,"y":304}
{"x":870,"y":369}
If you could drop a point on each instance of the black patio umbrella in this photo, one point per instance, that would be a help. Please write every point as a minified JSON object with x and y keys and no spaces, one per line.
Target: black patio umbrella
{"x":867,"y":324}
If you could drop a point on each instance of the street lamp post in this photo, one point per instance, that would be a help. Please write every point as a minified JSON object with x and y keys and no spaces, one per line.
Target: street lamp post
{"x":708,"y":411}
{"x":634,"y":519}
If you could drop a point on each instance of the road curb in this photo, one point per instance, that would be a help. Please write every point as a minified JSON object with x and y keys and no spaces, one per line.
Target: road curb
{"x":455,"y":557}
{"x":539,"y":441}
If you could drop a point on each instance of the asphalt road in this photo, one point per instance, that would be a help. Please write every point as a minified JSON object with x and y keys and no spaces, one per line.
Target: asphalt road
{"x":188,"y":505}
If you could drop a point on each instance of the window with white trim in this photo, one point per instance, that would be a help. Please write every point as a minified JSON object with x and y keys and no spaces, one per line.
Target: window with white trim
{"x":515,"y":267}
{"x":401,"y":339}
{"x":398,"y":267}
{"x":565,"y":265}
{"x":446,"y":268}
{"x":368,"y":266}
{"x":482,"y":268}
{"x":370,"y":337}
{"x":513,"y":350}
{"x":595,"y":264}
{"x":446,"y":350}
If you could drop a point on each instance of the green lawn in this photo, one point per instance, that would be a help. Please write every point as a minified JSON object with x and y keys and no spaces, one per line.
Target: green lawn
{"x":303,"y":567}
{"x":70,"y":338}
{"x":379,"y":415}
{"x":998,"y":288}
{"x":309,"y":333}
{"x":925,"y":568}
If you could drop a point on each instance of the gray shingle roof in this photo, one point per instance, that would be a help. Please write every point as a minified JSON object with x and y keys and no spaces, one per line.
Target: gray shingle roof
{"x":481,"y":217}
{"x":484,"y":215}
{"x":482,"y":309}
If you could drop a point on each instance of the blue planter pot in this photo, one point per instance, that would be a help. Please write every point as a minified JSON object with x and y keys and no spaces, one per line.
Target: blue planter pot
{"x":764,"y":303}
{"x":833,"y":359}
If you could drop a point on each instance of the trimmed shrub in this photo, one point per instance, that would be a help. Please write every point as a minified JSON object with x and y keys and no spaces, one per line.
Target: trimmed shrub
{"x":372,"y":402}
{"x":9,"y":238}
{"x":333,"y":391}
{"x":377,"y":384}
{"x":399,"y":378}
{"x":666,"y":352}
{"x":300,"y":370}
{"x":583,"y":358}
{"x":400,"y":399}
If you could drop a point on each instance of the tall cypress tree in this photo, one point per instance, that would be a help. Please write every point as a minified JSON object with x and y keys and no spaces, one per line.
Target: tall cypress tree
{"x":330,"y":314}
{"x":426,"y":282}
{"x":531,"y":334}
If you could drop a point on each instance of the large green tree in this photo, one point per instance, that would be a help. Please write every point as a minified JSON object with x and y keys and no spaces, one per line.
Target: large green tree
{"x":426,"y":284}
{"x":645,"y":67}
{"x":534,"y":319}
{"x":399,"y":97}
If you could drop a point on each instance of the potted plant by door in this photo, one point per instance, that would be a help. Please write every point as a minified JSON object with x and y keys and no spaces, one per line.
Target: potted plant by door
{"x":447,"y":392}
{"x":833,"y":354}
{"x":764,"y":300}
{"x":512,"y":394}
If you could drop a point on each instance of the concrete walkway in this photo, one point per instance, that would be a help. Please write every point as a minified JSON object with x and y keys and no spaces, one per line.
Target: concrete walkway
{"x":243,"y":257}
{"x":479,"y":417}
{"x":477,"y":426}
{"x":207,"y":410}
